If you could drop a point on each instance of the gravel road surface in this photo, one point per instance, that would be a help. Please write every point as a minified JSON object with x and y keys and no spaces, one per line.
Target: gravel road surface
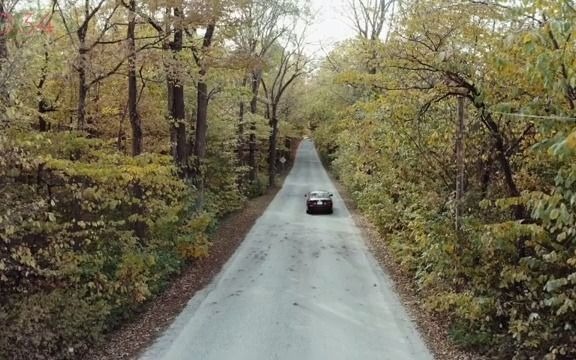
{"x":300,"y":287}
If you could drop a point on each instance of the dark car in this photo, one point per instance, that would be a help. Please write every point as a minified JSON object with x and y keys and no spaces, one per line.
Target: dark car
{"x":319,"y":201}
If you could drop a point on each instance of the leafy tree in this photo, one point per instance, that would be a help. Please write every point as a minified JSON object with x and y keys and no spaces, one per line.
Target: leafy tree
{"x":264,"y":23}
{"x":504,"y":281}
{"x":291,"y":65}
{"x":98,"y":217}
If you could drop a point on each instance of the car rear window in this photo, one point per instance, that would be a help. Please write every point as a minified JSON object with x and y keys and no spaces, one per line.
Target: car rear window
{"x":319,"y":194}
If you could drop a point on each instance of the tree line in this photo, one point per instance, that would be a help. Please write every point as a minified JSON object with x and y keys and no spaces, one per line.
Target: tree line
{"x":127,"y":129}
{"x":453,"y":127}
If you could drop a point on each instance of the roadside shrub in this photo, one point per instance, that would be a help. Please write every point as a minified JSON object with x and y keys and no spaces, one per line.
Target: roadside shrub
{"x":500,"y":301}
{"x":258,"y":187}
{"x":86,"y":236}
{"x":470,"y":338}
{"x":59,"y":324}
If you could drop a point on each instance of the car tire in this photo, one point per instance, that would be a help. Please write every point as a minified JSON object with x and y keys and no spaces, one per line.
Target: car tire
{"x":307,"y":211}
{"x":331,"y":211}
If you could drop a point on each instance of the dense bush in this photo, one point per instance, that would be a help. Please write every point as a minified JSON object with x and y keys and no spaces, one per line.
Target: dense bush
{"x":86,"y":235}
{"x":499,"y":301}
{"x":505,"y":277}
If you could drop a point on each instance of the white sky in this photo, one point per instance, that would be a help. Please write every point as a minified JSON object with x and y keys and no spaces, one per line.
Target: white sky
{"x":329,"y":27}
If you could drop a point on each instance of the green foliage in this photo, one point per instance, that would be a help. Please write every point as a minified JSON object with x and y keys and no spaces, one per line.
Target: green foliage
{"x":505,"y":280}
{"x":86,"y":236}
{"x":258,"y":187}
{"x":59,"y":324}
{"x":469,"y":338}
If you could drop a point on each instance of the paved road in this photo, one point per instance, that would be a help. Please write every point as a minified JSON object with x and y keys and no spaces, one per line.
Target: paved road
{"x":300,"y":287}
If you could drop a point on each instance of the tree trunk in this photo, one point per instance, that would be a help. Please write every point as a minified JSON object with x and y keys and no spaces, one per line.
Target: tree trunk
{"x":43,"y":106}
{"x":252,"y":158}
{"x":169,"y":80}
{"x":501,"y":151}
{"x":169,"y":98}
{"x":200,"y":139}
{"x":202,"y":99}
{"x":272,"y":146}
{"x":177,"y":108}
{"x":201,"y":119}
{"x":82,"y":75}
{"x":504,"y":163}
{"x":138,"y":208}
{"x":4,"y":95}
{"x":241,"y":113}
{"x":178,"y":114}
{"x":459,"y":164}
{"x":486,"y":176}
{"x":132,"y":84}
{"x":82,"y":91}
{"x":502,"y":158}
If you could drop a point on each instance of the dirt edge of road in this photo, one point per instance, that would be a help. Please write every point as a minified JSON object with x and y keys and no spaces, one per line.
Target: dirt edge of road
{"x":135,"y":336}
{"x":434,"y":330}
